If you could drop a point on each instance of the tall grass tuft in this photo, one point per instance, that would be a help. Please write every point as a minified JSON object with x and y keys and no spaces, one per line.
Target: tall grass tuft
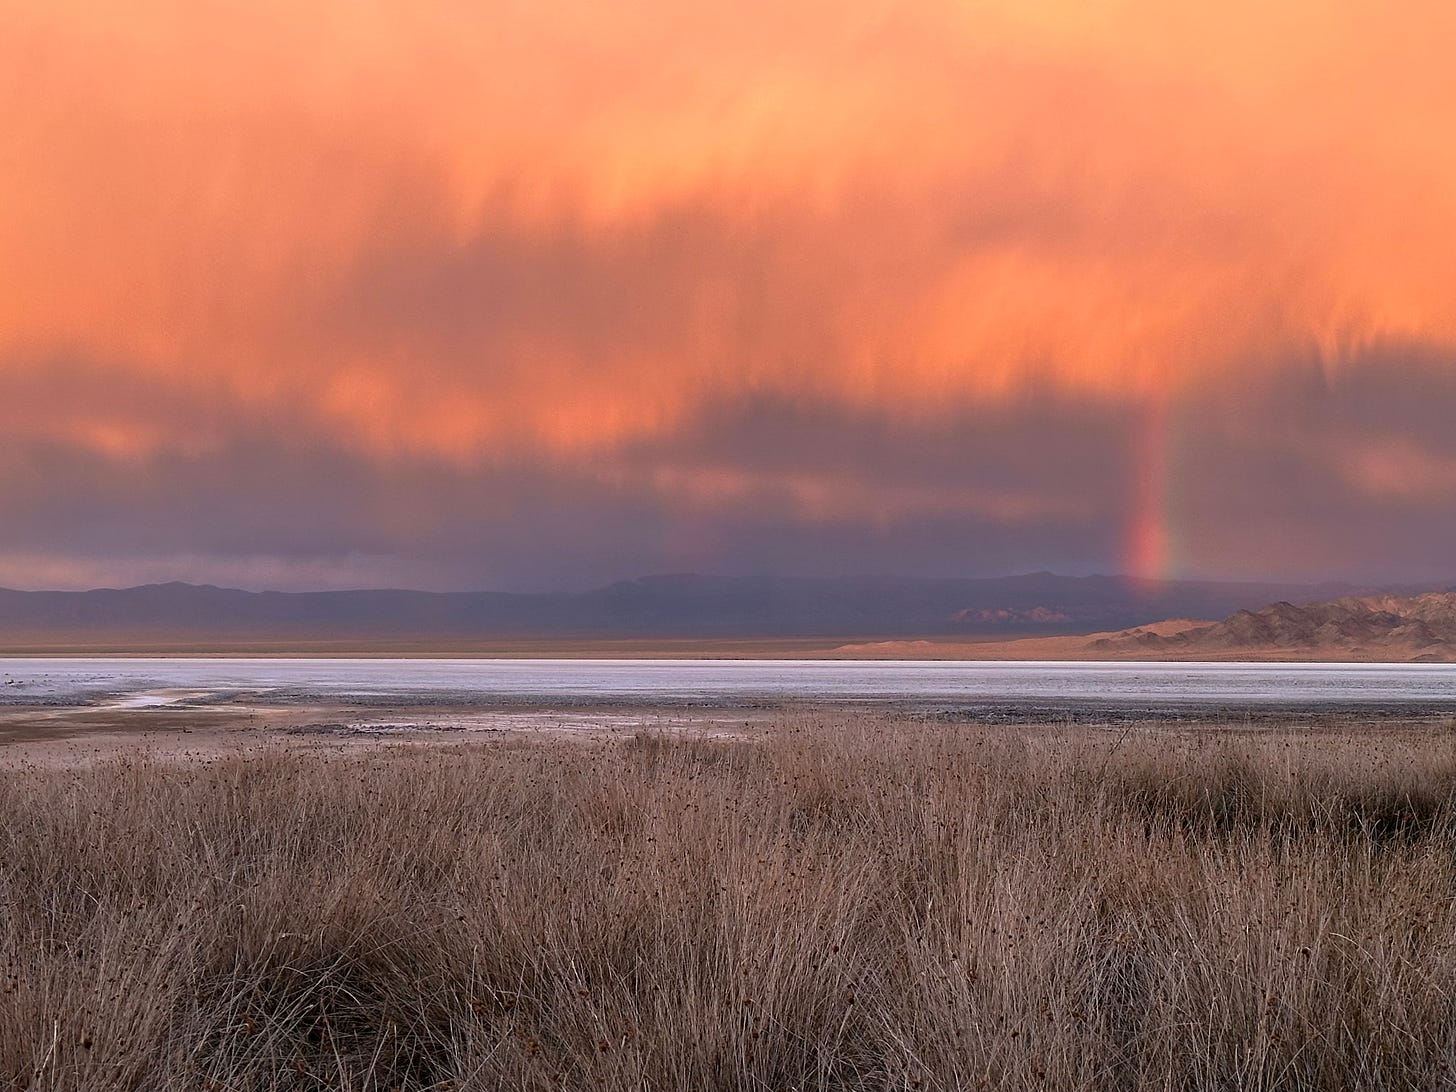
{"x":845,"y":903}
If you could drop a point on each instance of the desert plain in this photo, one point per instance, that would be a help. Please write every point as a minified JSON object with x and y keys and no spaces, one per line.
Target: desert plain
{"x":754,"y":895}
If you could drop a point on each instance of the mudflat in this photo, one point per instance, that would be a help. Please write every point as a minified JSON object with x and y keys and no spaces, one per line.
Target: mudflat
{"x":84,"y":735}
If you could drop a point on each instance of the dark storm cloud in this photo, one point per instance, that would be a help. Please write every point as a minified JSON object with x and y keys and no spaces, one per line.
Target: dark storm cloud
{"x":1284,"y":476}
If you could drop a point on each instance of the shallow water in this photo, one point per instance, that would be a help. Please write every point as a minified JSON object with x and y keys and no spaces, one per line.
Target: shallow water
{"x":150,"y":682}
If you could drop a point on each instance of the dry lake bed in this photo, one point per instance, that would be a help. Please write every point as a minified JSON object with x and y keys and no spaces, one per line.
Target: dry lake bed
{"x":64,"y":709}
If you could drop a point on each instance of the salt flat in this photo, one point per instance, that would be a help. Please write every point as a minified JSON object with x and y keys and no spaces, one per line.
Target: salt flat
{"x":199,"y":682}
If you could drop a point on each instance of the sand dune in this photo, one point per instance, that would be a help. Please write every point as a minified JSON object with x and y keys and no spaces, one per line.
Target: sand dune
{"x":1383,"y":628}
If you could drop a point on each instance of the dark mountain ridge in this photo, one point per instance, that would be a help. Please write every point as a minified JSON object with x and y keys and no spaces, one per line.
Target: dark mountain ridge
{"x":684,"y":605}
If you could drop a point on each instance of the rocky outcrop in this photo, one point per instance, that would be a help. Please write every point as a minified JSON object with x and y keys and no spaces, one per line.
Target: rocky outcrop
{"x":1378,"y":627}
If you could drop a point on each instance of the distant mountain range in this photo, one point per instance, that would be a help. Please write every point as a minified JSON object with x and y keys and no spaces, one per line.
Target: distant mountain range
{"x":674,"y":606}
{"x":1377,"y":627}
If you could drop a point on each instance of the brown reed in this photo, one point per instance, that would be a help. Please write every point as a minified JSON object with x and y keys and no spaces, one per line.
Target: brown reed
{"x":843,"y":903}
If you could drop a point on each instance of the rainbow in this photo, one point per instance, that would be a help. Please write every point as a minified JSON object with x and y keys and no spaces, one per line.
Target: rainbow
{"x":1148,"y":546}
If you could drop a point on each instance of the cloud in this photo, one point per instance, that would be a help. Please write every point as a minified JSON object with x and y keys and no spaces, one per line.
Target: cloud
{"x":542,"y":292}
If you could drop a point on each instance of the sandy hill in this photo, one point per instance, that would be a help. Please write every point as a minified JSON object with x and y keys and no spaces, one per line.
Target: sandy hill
{"x":1376,"y":627}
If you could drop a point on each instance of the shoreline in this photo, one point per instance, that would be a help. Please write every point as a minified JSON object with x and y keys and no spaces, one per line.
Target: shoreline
{"x":69,"y":736}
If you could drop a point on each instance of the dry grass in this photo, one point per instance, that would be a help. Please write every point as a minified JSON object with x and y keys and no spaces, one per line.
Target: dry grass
{"x":851,"y":904}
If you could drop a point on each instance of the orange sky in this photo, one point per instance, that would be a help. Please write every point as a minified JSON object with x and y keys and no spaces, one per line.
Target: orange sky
{"x":559,"y":239}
